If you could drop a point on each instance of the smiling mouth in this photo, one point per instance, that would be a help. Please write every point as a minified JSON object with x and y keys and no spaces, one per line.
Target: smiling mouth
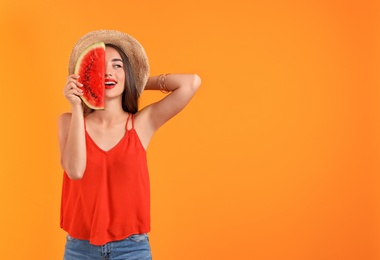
{"x":110,"y":84}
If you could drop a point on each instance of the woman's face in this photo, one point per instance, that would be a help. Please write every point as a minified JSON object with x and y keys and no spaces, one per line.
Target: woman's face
{"x":114,"y":73}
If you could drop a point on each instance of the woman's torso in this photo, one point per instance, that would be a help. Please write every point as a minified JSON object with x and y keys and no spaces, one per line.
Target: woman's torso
{"x":112,"y":200}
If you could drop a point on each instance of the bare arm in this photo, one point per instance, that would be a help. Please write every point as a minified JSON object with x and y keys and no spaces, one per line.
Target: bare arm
{"x":71,"y":134}
{"x":182,"y":87}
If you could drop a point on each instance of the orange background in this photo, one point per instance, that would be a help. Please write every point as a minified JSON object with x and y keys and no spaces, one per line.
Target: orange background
{"x":276,"y":157}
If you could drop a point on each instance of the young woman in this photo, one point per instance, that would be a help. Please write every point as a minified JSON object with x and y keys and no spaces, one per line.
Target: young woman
{"x":105,"y":195}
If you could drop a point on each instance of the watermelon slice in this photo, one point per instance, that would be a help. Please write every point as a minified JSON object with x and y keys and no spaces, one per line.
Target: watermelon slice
{"x":90,"y":68}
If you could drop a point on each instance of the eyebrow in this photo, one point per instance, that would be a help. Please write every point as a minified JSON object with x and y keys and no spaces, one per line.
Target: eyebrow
{"x":117,"y":59}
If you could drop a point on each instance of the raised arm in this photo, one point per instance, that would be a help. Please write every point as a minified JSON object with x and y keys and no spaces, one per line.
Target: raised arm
{"x":182,"y":88}
{"x":71,"y":133}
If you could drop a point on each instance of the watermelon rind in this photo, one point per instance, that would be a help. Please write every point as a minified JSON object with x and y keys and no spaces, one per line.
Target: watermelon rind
{"x":77,"y":71}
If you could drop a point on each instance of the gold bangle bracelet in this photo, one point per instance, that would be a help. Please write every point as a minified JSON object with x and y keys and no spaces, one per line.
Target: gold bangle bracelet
{"x":161,"y":83}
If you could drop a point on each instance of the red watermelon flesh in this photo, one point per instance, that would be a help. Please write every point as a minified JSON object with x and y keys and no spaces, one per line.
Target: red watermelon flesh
{"x":90,"y":68}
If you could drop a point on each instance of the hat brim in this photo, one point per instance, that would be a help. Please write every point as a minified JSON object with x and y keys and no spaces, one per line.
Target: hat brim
{"x":129,"y":45}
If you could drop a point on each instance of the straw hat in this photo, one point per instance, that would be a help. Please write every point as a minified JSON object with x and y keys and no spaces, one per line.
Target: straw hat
{"x":129,"y":45}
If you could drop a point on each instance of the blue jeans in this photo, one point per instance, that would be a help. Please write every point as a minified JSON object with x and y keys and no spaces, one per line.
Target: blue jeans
{"x":135,"y":247}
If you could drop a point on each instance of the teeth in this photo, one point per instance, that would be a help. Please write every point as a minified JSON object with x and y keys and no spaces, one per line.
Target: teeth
{"x":110,"y":83}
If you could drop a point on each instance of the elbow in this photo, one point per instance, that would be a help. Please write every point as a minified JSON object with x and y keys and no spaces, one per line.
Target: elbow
{"x":73,"y":172}
{"x":75,"y":175}
{"x":74,"y":166}
{"x":196,"y":82}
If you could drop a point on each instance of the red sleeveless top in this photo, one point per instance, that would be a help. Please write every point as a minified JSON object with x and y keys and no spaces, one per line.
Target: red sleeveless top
{"x":112,"y":200}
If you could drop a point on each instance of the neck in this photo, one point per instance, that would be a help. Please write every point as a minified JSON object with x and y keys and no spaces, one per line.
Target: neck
{"x":113,"y":112}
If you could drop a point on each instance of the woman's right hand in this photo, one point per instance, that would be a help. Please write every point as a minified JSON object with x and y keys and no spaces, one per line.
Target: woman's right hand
{"x":72,"y":90}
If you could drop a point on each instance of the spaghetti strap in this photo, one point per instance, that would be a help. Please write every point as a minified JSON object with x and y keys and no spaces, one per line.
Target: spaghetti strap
{"x":126,"y":125}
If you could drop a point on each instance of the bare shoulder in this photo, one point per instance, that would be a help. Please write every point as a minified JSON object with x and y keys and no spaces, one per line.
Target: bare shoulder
{"x":142,"y":117}
{"x":64,"y":118}
{"x":143,"y":126}
{"x":144,"y":112}
{"x":64,"y":121}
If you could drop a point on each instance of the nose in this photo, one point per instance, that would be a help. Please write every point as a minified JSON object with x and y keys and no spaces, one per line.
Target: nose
{"x":108,"y":70}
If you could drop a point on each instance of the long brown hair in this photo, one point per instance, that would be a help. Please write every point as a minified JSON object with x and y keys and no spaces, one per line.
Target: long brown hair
{"x":130,"y":94}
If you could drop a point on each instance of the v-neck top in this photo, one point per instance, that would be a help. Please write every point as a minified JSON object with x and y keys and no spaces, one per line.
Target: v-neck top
{"x":112,"y":200}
